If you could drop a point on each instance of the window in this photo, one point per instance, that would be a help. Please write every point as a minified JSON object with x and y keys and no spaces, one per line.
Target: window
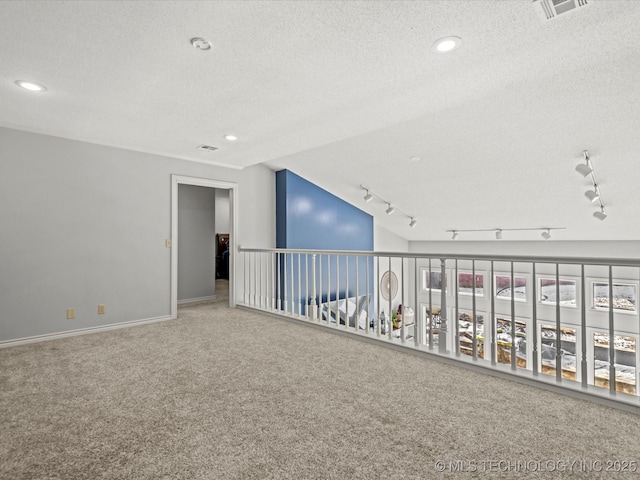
{"x":624,"y":296}
{"x":503,"y":287}
{"x":548,"y":351}
{"x":505,"y":338}
{"x":433,"y":282}
{"x":428,"y":320}
{"x":466,"y":337}
{"x":547,"y":292}
{"x":625,"y":362}
{"x":465,"y":284}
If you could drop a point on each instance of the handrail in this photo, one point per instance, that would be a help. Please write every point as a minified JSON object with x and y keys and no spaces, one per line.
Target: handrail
{"x":618,"y":262}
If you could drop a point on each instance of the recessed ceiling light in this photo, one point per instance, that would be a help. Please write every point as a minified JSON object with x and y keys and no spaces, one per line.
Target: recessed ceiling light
{"x":415,"y":159}
{"x":230,"y":138}
{"x":32,"y":86}
{"x":201,"y":43}
{"x":447,"y":44}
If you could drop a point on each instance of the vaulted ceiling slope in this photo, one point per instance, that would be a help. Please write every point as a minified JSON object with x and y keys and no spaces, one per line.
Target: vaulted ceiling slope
{"x":346,"y":93}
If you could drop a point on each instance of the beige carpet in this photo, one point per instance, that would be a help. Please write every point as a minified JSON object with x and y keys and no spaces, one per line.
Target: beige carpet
{"x":230,"y":394}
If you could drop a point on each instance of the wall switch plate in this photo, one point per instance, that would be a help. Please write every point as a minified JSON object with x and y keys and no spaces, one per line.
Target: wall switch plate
{"x":101,"y":309}
{"x":71,"y":313}
{"x":167,"y":243}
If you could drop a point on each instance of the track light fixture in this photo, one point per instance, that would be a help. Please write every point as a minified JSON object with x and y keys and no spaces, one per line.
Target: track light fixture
{"x":601,"y":215}
{"x":546,"y":231}
{"x":413,"y":221}
{"x":593,"y":195}
{"x":586,"y":169}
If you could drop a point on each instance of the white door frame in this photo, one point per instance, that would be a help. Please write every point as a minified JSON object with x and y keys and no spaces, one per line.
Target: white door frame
{"x":233,"y":201}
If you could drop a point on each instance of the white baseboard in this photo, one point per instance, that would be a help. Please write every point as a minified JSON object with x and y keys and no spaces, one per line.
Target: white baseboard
{"x":80,"y":331}
{"x":199,"y":299}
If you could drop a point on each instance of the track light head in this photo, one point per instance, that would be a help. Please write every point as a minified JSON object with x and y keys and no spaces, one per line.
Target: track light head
{"x":583,"y":169}
{"x":593,"y":195}
{"x":601,"y":215}
{"x":455,"y":235}
{"x":498,"y":234}
{"x":413,"y":222}
{"x":390,"y":210}
{"x":546,"y":234}
{"x":368,"y":197}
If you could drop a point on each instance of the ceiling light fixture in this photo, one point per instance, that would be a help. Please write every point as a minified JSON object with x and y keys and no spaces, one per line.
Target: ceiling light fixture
{"x":586,"y":169}
{"x":601,"y":215}
{"x":546,"y":231}
{"x":593,"y":195}
{"x":230,"y":138}
{"x":200,"y":43}
{"x":413,"y":221}
{"x":31,"y":86}
{"x":447,"y":44}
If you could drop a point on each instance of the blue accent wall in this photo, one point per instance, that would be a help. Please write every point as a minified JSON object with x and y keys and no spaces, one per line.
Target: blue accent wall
{"x":309,"y":217}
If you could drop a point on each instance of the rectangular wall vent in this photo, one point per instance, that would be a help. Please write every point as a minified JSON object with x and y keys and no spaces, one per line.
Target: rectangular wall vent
{"x":207,"y":147}
{"x":552,"y":9}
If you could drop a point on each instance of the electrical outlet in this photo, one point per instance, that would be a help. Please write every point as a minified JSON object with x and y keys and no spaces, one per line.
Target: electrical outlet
{"x":71,"y":313}
{"x":101,"y":309}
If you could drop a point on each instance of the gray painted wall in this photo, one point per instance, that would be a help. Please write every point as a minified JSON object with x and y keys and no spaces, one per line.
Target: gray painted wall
{"x":84,"y":224}
{"x":196,"y":242}
{"x":222,"y":211}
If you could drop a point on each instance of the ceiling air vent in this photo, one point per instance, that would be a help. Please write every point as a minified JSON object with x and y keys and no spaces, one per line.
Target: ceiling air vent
{"x":552,"y":9}
{"x":207,"y":147}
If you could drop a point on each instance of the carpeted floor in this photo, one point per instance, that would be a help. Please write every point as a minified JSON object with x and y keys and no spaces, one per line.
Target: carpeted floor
{"x":231,"y":394}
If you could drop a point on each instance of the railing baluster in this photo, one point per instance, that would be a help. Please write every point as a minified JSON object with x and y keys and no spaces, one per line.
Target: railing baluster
{"x":378,"y":278}
{"x":474,"y":316}
{"x":368,"y":298}
{"x":337,"y":304}
{"x":534,"y":319}
{"x":514,"y":360}
{"x":444,"y":327}
{"x":558,"y":331}
{"x":492,"y":324}
{"x":390,"y":319}
{"x":356,"y":314}
{"x":402,"y":302}
{"x":612,"y":338}
{"x":430,"y":314}
{"x":292,"y":297}
{"x":456,"y":312}
{"x":417,"y":318}
{"x":346,"y":291}
{"x":583,"y":329}
{"x":278,"y":286}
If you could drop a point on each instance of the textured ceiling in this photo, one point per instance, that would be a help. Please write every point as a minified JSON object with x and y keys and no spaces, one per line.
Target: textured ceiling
{"x":345,"y":93}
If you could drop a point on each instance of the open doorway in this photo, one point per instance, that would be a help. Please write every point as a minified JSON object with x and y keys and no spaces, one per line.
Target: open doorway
{"x":230,"y":190}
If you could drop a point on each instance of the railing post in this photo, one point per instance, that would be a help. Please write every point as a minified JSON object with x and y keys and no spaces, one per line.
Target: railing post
{"x":442,"y":336}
